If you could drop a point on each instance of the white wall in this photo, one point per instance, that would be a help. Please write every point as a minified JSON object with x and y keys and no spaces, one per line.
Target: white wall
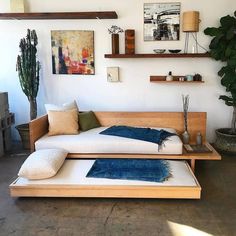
{"x":135,"y":92}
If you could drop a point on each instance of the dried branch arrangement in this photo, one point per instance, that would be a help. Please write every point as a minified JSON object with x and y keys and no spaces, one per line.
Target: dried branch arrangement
{"x":115,"y":30}
{"x":185,"y":100}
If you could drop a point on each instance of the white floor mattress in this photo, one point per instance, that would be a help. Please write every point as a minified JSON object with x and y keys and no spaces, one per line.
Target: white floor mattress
{"x":93,"y":142}
{"x":73,"y":172}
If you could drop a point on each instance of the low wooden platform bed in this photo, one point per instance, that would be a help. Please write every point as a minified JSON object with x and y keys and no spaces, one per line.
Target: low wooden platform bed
{"x":71,"y":179}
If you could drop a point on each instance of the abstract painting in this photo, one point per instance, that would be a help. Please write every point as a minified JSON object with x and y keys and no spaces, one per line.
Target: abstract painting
{"x":161,"y":21}
{"x":72,"y":52}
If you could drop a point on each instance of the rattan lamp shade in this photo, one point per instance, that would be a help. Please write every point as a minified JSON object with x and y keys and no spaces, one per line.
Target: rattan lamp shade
{"x":190,"y":21}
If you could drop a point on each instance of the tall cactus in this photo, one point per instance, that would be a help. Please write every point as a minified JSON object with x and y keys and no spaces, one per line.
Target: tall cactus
{"x":28,"y":69}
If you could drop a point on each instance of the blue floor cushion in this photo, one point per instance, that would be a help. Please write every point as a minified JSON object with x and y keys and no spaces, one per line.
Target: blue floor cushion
{"x":130,"y":169}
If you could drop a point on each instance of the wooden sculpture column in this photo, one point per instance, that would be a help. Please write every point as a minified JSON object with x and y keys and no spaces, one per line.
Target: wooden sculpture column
{"x":129,"y":41}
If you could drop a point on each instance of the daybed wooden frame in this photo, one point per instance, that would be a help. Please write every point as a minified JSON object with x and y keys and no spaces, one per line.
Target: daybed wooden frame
{"x":196,"y":123}
{"x":175,"y":120}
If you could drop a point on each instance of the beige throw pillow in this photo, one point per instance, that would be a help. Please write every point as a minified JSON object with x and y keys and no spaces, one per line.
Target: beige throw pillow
{"x":43,"y":164}
{"x":63,"y":122}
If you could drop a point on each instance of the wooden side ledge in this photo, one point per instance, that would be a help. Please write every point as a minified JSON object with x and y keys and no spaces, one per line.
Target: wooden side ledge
{"x":38,"y":128}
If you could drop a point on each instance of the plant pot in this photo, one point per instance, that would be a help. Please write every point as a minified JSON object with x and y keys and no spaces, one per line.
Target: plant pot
{"x":225,"y":141}
{"x":24,"y":134}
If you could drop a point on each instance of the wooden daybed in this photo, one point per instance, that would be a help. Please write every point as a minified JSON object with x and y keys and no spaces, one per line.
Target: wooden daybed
{"x":196,"y":123}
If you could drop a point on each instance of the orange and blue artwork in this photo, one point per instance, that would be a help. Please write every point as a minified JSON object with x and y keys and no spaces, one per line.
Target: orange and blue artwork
{"x":72,"y":52}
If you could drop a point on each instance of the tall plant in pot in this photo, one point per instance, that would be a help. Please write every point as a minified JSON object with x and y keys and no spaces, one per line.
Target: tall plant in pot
{"x":223,"y":48}
{"x":28,"y":71}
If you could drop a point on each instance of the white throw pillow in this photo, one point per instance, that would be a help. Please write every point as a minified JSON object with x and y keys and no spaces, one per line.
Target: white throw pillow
{"x":43,"y":164}
{"x":70,"y":105}
{"x":65,"y":107}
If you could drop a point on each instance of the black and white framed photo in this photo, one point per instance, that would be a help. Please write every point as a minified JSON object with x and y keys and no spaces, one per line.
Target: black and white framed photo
{"x":161,"y":21}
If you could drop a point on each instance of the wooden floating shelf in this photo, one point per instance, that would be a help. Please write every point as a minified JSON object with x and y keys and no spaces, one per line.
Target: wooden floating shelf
{"x":152,"y":55}
{"x":59,"y":15}
{"x":162,"y":79}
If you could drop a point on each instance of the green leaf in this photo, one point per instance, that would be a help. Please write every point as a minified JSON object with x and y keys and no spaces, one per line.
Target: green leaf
{"x":222,"y":71}
{"x":229,"y":103}
{"x":232,"y":61}
{"x":228,"y":51}
{"x":217,"y":54}
{"x":230,"y":33}
{"x":227,"y":22}
{"x":212,"y":31}
{"x":226,"y":80}
{"x":216,"y":41}
{"x":228,"y":77}
{"x":233,"y":93}
{"x":228,"y":100}
{"x":232,"y":87}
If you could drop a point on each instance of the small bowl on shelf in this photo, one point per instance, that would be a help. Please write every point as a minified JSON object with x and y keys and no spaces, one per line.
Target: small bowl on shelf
{"x":159,"y":51}
{"x":174,"y":50}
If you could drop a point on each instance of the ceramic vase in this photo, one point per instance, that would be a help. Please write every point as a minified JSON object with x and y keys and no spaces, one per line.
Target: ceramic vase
{"x":185,"y":137}
{"x":129,"y":41}
{"x":115,"y":43}
{"x":199,"y":139}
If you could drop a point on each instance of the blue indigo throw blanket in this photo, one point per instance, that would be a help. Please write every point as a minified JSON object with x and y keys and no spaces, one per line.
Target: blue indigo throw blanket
{"x":145,"y":134}
{"x":130,"y":169}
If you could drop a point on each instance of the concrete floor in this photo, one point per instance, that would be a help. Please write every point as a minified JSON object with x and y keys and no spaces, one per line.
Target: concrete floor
{"x":214,"y":214}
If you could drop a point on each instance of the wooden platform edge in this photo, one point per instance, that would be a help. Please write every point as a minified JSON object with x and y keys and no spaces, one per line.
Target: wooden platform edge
{"x":107,"y":191}
{"x":111,"y":191}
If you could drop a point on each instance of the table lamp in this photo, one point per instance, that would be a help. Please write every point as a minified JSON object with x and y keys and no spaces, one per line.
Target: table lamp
{"x":190,"y":25}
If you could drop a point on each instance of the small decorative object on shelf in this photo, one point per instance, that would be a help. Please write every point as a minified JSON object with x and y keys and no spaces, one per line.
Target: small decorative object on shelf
{"x":114,"y":31}
{"x":169,"y":77}
{"x":159,"y":51}
{"x":129,"y":41}
{"x":174,"y":50}
{"x":197,"y":77}
{"x":189,"y":78}
{"x":185,"y":134}
{"x":199,"y":139}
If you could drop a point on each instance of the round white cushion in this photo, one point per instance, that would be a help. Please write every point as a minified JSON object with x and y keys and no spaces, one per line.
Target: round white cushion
{"x":43,"y":164}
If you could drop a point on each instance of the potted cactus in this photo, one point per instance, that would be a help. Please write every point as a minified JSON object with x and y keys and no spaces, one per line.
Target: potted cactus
{"x":28,"y":71}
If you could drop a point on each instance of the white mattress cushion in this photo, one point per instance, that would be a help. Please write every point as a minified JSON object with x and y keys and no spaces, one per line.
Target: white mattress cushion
{"x":92,"y":142}
{"x":43,"y":164}
{"x":73,"y":172}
